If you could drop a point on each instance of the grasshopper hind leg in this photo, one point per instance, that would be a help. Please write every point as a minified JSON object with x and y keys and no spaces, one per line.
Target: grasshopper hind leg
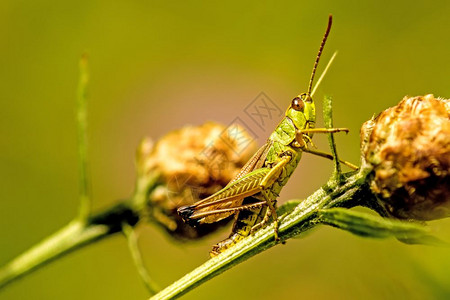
{"x":242,"y":227}
{"x":249,"y":220}
{"x":271,"y":211}
{"x":270,"y":199}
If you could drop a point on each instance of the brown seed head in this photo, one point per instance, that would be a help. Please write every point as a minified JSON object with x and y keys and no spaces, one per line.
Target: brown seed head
{"x":409,"y":151}
{"x":190,"y":164}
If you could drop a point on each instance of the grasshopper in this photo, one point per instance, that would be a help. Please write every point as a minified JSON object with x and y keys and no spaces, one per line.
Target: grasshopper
{"x":251,"y":195}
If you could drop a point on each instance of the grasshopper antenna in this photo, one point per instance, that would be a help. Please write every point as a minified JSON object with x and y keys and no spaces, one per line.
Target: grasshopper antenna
{"x":323,"y":73}
{"x":330,"y":21}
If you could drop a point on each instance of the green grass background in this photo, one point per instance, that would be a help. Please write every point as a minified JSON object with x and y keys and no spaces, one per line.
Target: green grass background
{"x":156,"y":66}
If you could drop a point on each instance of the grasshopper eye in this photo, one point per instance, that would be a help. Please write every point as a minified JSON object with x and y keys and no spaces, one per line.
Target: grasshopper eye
{"x":297,"y":104}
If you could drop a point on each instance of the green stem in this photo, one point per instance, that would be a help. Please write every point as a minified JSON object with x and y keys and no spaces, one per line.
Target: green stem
{"x":69,"y":238}
{"x":130,"y":234}
{"x":303,"y":217}
{"x":369,"y":225}
{"x":84,"y":180}
{"x":76,"y":234}
{"x":328,"y":118}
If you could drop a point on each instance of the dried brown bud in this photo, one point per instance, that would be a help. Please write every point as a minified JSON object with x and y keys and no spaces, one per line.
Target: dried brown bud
{"x":409,"y":151}
{"x":187,"y":165}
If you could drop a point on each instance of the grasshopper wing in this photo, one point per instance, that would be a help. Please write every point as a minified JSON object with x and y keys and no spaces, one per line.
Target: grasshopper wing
{"x":193,"y":214}
{"x":256,"y":162}
{"x":226,"y":201}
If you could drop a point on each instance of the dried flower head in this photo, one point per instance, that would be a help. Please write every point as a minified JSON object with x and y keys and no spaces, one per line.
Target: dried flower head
{"x":409,"y":151}
{"x":187,"y":165}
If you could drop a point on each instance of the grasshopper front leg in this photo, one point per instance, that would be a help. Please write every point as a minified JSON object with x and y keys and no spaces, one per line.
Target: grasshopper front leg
{"x":301,"y":135}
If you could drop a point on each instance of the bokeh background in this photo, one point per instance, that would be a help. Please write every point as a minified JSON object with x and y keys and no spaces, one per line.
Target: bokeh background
{"x":156,"y":66}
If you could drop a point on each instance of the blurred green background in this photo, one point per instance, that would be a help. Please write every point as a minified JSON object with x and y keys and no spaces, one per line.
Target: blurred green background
{"x":156,"y":66}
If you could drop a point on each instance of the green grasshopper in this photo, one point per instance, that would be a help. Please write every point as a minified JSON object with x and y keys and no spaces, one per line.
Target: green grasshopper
{"x":252,"y":194}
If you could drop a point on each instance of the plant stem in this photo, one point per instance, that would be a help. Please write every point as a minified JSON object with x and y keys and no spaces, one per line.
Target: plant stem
{"x":328,"y":118}
{"x":303,"y":217}
{"x":83,"y":162}
{"x":130,"y":234}
{"x":72,"y":236}
{"x":76,"y":234}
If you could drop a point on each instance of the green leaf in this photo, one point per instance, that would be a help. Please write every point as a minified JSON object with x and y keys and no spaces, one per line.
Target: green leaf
{"x":288,"y":207}
{"x":367,"y":225}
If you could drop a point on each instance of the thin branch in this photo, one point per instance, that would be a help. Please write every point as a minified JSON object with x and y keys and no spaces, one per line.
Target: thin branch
{"x":328,"y":119}
{"x":84,"y":180}
{"x":69,"y":238}
{"x":130,"y":234}
{"x":76,"y":234}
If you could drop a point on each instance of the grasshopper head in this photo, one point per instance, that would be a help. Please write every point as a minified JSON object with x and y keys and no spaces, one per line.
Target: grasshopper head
{"x":302,"y":112}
